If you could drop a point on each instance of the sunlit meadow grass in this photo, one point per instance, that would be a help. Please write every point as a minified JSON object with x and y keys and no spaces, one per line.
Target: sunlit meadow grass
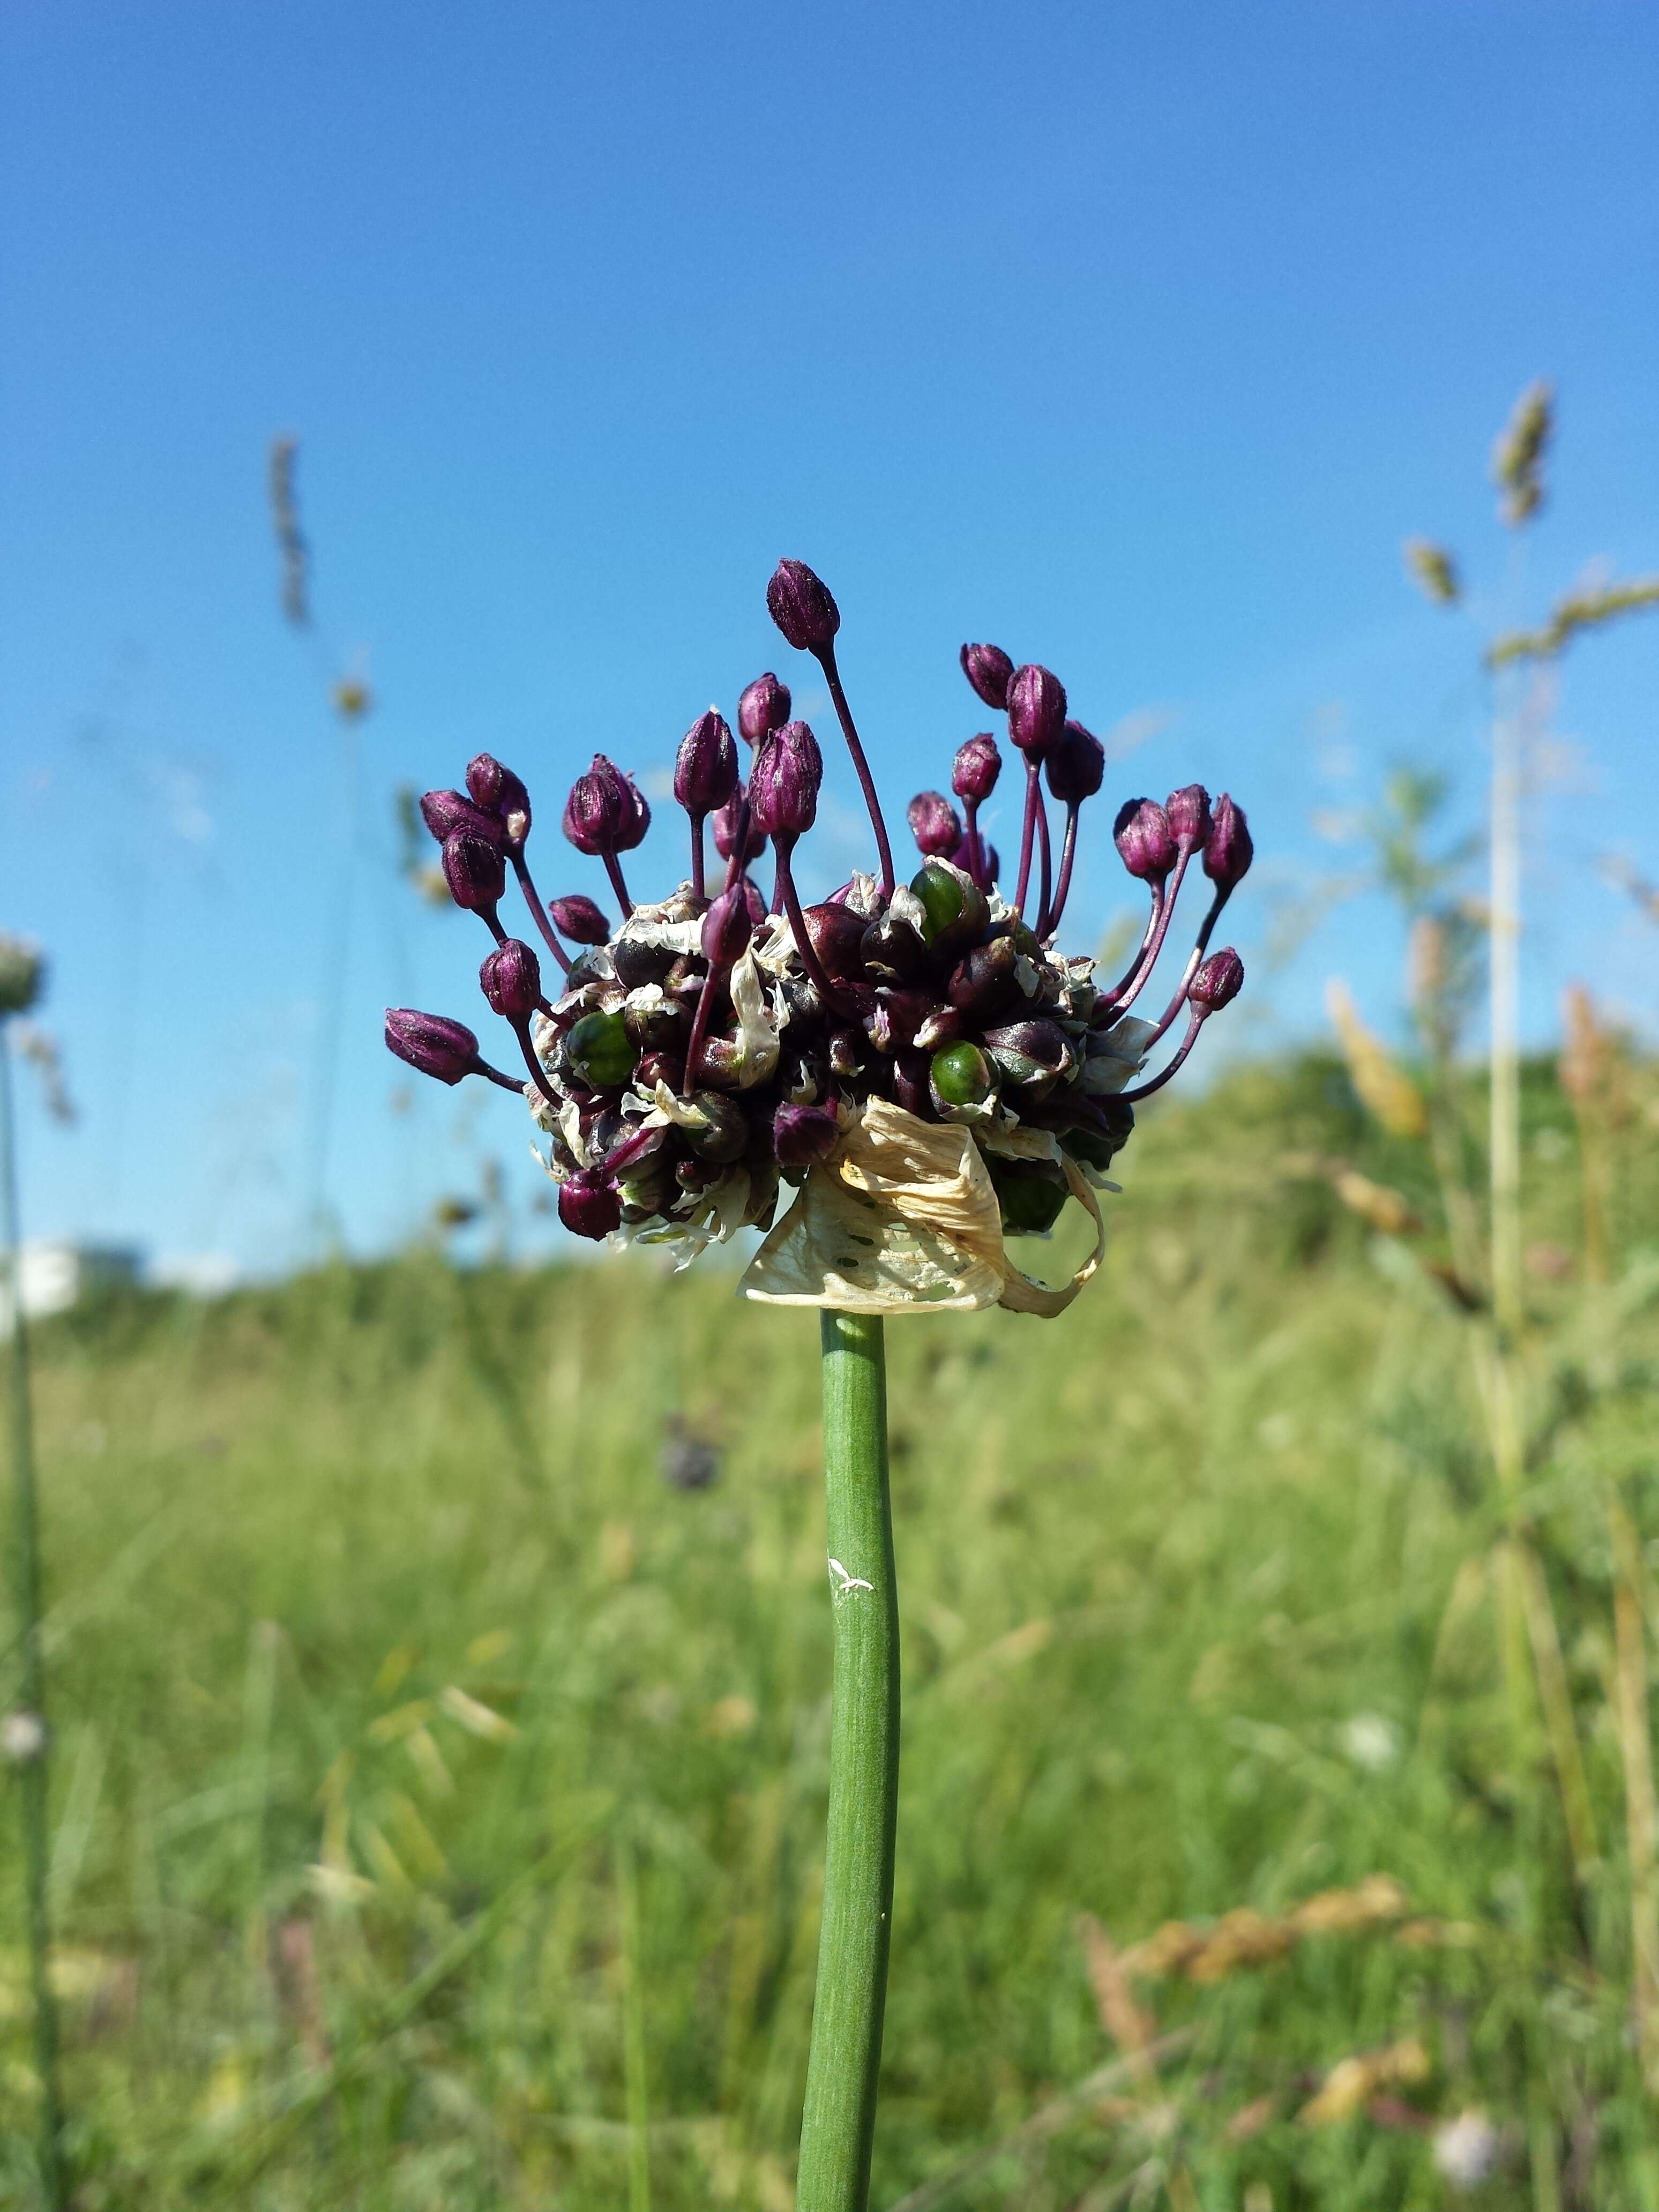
{"x":439,"y":1801}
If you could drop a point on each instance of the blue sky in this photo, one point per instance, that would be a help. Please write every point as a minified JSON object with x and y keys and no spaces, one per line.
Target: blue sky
{"x":1136,"y":339}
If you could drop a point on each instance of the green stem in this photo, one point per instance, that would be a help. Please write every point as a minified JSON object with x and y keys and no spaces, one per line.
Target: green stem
{"x":26,"y":1565}
{"x":839,"y":2121}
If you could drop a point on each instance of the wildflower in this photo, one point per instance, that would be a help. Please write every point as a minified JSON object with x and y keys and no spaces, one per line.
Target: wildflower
{"x":921,"y":1066}
{"x":1466,"y":2150}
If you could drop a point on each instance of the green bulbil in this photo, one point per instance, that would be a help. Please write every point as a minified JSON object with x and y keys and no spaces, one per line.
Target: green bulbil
{"x":598,"y":1048}
{"x":1031,"y":1200}
{"x":941,"y":894}
{"x":962,"y":1075}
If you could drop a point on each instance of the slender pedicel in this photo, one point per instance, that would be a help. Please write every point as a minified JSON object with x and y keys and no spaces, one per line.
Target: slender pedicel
{"x":705,"y":777}
{"x":826,"y":660}
{"x":832,"y":1001}
{"x":1027,"y":830}
{"x":1045,"y":889}
{"x":802,"y":606}
{"x":1216,"y":984}
{"x":538,"y":912}
{"x":727,"y":929}
{"x":1142,"y":973}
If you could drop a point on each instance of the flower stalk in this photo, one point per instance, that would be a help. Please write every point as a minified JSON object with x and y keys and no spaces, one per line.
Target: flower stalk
{"x":838,"y":2126}
{"x":28,"y":1725}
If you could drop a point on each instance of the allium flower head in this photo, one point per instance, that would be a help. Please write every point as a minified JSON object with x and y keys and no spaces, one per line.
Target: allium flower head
{"x":916,"y":1071}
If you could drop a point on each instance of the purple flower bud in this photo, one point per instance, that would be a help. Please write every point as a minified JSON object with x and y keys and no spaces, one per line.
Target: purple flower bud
{"x":706,"y":766}
{"x":1228,"y":854}
{"x":1188,"y":812}
{"x":636,"y":817}
{"x":725,"y":829}
{"x":438,"y":1047}
{"x":1076,"y":765}
{"x":445,"y":811}
{"x":755,"y":901}
{"x":726,"y":928}
{"x":1141,"y":834}
{"x":764,"y":708}
{"x":579,"y":920}
{"x":803,"y":1135}
{"x":800,"y":605}
{"x":1218,"y":981}
{"x":934,"y":824}
{"x":987,"y":668}
{"x":783,"y":786}
{"x":595,"y":812}
{"x":588,"y":1206}
{"x":475,"y":871}
{"x":500,"y":793}
{"x":1036,"y":708}
{"x":978,"y":763}
{"x":511,"y":977}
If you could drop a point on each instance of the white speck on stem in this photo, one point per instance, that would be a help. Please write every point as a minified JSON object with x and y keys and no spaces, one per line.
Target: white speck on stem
{"x":847,"y":1582}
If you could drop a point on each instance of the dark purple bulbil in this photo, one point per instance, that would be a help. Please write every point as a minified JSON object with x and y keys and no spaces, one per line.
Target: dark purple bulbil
{"x":776,"y":1021}
{"x":803,"y":1135}
{"x":589,"y":1205}
{"x":934,"y":824}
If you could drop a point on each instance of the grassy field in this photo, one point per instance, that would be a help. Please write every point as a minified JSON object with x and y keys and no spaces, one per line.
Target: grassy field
{"x":439,"y":1790}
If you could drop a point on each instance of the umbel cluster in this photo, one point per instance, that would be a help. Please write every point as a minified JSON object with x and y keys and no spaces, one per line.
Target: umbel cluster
{"x":685,"y":1061}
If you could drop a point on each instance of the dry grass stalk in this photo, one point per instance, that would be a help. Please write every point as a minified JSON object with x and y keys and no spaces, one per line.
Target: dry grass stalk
{"x":1245,"y":1938}
{"x":1384,"y":1086}
{"x":1635,"y":1745}
{"x":1129,"y":2025}
{"x":1585,"y":1070}
{"x":1353,"y":2082}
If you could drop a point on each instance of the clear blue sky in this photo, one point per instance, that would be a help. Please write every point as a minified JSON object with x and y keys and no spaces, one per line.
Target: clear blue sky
{"x":1134,"y":339}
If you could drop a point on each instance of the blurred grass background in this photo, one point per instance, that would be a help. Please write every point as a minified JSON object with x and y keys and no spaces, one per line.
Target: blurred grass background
{"x":438,"y":1798}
